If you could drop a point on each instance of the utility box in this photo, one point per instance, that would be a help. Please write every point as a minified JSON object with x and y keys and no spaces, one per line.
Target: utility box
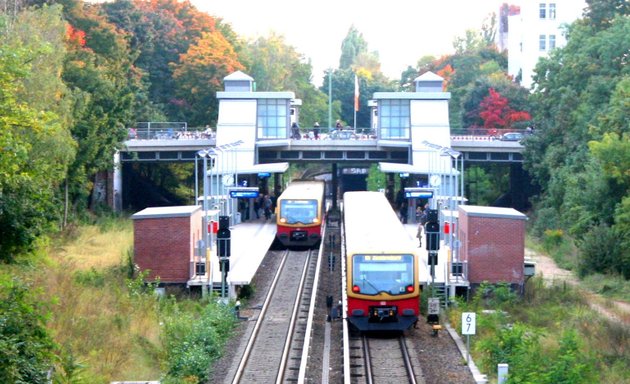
{"x":164,"y":242}
{"x":493,"y":244}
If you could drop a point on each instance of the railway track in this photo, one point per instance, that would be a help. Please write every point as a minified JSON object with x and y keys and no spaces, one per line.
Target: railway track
{"x":383,"y":359}
{"x":275,"y":350}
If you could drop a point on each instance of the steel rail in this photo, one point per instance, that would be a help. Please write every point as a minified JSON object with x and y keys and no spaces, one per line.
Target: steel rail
{"x":294,"y":316}
{"x":252,"y":339}
{"x":407,"y":360}
{"x":311,"y":312}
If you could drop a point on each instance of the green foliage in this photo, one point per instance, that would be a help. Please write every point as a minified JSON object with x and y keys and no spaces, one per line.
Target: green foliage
{"x":563,"y":353}
{"x":194,"y":341}
{"x":552,"y":238}
{"x":26,"y":348}
{"x":376,"y":180}
{"x":352,"y":46}
{"x":37,"y":147}
{"x":600,"y":252}
{"x":494,"y":295}
{"x":70,"y":369}
{"x":581,"y":98}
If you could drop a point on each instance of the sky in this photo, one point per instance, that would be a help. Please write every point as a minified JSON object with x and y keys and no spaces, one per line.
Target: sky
{"x":401,"y":31}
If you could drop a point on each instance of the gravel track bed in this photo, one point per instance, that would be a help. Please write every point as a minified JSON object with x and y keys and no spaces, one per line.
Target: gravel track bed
{"x":438,"y":356}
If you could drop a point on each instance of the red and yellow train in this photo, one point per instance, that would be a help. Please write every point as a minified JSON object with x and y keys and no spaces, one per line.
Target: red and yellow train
{"x":300,"y":211}
{"x":382,"y":282}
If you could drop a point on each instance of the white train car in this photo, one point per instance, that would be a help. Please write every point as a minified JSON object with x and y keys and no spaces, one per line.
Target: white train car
{"x":382,"y":282}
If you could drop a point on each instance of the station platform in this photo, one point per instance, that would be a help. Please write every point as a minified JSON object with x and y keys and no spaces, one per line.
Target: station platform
{"x":250,"y":242}
{"x":441,"y":269}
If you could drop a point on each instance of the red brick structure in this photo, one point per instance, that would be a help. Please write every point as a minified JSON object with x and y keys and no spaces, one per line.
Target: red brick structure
{"x":164,"y":242}
{"x":493,"y":244}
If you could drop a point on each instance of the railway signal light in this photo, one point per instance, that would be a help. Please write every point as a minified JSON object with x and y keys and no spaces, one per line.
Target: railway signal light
{"x":432,"y":230}
{"x":224,"y":249}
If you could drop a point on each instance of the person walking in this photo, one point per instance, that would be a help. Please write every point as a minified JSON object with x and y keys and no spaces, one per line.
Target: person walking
{"x":267,"y":207}
{"x":419,"y":234}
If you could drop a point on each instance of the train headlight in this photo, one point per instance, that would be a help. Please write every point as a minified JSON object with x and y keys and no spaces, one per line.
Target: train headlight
{"x":356,"y":289}
{"x":283,"y":220}
{"x":409,"y":288}
{"x":315,"y":220}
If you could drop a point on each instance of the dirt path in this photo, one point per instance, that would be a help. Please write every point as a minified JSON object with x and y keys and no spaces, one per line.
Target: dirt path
{"x":615,"y":310}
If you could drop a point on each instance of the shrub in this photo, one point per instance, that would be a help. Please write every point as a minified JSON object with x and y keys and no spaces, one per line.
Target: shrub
{"x":552,"y":238}
{"x":193,"y":342}
{"x":26,"y":348}
{"x":599,"y":251}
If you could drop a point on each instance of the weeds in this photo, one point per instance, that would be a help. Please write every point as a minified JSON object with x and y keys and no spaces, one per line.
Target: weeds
{"x":111,"y":325}
{"x":549,"y":335}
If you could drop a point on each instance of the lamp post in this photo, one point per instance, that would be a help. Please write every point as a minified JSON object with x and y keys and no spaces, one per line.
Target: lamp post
{"x":329,"y":99}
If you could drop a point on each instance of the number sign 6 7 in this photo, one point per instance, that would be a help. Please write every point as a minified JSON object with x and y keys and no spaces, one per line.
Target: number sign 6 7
{"x":468,"y":323}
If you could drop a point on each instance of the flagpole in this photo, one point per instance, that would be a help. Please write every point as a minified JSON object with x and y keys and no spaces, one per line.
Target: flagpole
{"x":356,"y":99}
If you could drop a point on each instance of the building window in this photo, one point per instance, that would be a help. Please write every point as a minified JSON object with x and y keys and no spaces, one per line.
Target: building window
{"x":542,"y":43}
{"x":552,"y":41}
{"x":542,"y":11}
{"x":272,"y":118}
{"x":394,"y":119}
{"x":552,"y":11}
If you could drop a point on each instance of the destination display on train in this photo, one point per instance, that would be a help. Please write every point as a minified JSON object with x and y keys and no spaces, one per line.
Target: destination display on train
{"x":382,"y":257}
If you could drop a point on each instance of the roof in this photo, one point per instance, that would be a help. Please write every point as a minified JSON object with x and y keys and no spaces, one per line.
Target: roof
{"x":163,"y":212}
{"x":259,"y":168}
{"x":482,"y":211}
{"x":429,"y":76}
{"x":414,"y":169}
{"x":238,"y":75}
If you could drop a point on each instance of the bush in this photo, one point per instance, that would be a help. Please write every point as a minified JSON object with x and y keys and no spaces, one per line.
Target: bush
{"x":193,"y":342}
{"x":552,"y":238}
{"x":545,"y":218}
{"x":26,"y":348}
{"x":599,"y":252}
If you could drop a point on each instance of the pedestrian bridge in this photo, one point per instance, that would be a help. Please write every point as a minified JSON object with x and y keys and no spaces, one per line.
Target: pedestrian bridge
{"x":180,"y":145}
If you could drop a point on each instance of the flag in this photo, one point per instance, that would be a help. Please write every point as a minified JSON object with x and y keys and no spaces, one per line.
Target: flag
{"x":356,"y":93}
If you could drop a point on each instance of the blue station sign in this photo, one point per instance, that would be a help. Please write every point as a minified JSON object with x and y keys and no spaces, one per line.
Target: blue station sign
{"x":417,"y":193}
{"x":245,"y":193}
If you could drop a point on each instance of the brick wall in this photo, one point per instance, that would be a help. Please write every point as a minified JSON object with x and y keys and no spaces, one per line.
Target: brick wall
{"x":165,"y":246}
{"x":494,"y":248}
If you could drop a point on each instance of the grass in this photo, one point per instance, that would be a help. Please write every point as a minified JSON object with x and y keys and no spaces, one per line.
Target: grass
{"x":111,"y":334}
{"x":110,"y":326}
{"x":612,"y":287}
{"x":548,"y":316}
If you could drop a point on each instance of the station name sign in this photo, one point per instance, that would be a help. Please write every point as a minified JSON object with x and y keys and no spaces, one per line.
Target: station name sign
{"x":246,"y":193}
{"x":416,"y":193}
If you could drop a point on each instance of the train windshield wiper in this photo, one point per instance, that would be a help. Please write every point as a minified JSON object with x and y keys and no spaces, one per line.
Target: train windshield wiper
{"x":370,"y":283}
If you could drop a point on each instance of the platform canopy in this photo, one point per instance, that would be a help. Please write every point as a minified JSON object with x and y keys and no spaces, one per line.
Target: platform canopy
{"x":414,"y":169}
{"x":263,"y":168}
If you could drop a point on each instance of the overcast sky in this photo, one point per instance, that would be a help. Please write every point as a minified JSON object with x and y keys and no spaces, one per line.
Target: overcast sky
{"x":401,"y":31}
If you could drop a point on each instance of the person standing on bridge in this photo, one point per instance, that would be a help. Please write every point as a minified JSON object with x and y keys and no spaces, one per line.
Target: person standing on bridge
{"x":295,"y":131}
{"x":316,"y":130}
{"x":338,"y":125}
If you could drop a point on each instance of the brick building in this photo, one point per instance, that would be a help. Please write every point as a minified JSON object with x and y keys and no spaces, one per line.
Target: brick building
{"x":492,"y":244}
{"x":164,"y":242}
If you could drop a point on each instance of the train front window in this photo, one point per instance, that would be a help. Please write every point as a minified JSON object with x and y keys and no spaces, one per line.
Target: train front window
{"x":298,"y":211}
{"x":373,"y":274}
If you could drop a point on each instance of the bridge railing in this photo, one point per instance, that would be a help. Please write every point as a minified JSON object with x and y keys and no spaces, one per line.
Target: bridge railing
{"x":168,"y":131}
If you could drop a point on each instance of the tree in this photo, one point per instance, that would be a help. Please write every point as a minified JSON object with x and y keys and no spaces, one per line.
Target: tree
{"x":103,"y":82}
{"x":199,"y":76}
{"x":496,"y":112}
{"x":578,"y":100}
{"x":352,"y":46}
{"x":40,"y":145}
